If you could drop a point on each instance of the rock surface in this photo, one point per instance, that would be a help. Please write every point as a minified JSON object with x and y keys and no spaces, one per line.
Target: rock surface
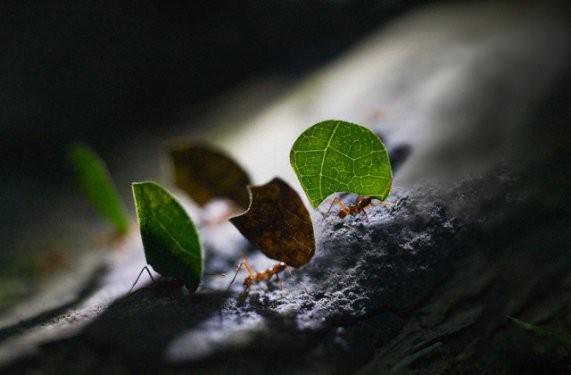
{"x":471,"y":234}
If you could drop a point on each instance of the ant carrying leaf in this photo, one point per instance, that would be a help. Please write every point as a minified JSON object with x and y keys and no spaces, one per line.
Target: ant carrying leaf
{"x":96,"y":183}
{"x":359,"y":206}
{"x":171,"y":241}
{"x":337,"y":156}
{"x":277,"y":223}
{"x":256,"y":277}
{"x":206,"y":173}
{"x":353,"y":209}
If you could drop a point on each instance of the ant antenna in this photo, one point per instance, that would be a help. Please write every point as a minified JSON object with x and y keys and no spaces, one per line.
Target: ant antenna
{"x":146,"y":268}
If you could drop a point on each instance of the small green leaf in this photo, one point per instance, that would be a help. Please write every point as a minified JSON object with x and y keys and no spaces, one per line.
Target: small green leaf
{"x":96,"y":183}
{"x":171,"y":242}
{"x":337,"y":156}
{"x":564,"y":340}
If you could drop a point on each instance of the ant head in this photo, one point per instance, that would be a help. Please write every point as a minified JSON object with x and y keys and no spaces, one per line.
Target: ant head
{"x":342,"y":214}
{"x":367,"y":200}
{"x":280,"y":267}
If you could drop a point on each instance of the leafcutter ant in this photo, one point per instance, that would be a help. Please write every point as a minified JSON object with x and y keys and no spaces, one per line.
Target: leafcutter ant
{"x":256,"y":277}
{"x":354,"y":209}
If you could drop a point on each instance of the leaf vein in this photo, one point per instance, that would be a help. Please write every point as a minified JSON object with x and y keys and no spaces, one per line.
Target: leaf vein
{"x":324,"y":155}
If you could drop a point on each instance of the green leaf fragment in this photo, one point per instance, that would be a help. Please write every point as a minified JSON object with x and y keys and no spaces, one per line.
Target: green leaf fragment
{"x":96,"y":183}
{"x":337,"y":156}
{"x":171,"y":241}
{"x":563,"y":339}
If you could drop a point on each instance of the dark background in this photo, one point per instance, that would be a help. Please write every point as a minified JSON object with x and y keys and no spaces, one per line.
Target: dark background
{"x":89,"y":70}
{"x":101,"y":72}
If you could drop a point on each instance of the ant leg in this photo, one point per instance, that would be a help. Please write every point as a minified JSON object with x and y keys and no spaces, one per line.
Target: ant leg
{"x":248,"y":268}
{"x":366,"y":216}
{"x":280,"y":281}
{"x":335,"y":200}
{"x":338,"y":202}
{"x":139,"y":276}
{"x":243,"y":295}
{"x":330,"y":206}
{"x":304,"y":288}
{"x":365,"y":212}
{"x":235,"y":274}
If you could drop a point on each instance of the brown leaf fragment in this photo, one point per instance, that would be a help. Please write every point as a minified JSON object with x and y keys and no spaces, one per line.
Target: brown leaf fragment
{"x":205,"y":173}
{"x":278,"y":223}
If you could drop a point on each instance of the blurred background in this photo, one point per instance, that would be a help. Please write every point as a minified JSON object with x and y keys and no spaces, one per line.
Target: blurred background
{"x":456,"y":77}
{"x":124,"y":77}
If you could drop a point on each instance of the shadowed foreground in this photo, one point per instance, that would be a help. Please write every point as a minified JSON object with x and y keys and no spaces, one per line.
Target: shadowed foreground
{"x":416,"y":289}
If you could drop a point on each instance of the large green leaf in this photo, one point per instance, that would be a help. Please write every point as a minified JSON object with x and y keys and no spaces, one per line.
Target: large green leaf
{"x":96,"y":183}
{"x":337,"y":156}
{"x":171,"y":242}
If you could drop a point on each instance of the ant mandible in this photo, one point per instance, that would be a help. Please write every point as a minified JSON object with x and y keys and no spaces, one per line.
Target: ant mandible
{"x":256,"y":277}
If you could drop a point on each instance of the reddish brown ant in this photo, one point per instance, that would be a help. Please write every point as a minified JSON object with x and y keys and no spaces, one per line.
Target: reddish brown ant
{"x":255,"y":277}
{"x":359,"y":206}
